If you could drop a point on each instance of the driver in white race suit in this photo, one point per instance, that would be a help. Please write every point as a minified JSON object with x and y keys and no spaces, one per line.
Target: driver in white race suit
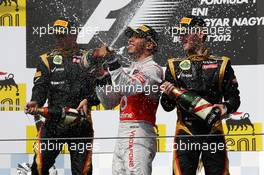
{"x":136,"y":89}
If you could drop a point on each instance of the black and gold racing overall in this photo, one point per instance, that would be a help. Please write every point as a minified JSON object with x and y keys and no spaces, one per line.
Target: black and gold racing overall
{"x":213,"y":79}
{"x":64,"y":83}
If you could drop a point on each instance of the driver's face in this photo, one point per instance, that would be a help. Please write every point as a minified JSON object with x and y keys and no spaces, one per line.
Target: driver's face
{"x":192,"y":38}
{"x":191,"y":41}
{"x":136,"y":44}
{"x":65,"y":40}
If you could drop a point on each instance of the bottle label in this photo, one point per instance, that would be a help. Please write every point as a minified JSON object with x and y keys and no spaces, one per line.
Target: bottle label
{"x":202,"y":108}
{"x":70,"y":119}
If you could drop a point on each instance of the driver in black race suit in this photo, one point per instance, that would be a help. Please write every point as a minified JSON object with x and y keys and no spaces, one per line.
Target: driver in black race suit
{"x":212,"y":78}
{"x":63,"y":82}
{"x":136,"y":89}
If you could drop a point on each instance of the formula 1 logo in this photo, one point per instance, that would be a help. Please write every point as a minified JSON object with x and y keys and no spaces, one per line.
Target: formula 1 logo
{"x":99,"y":21}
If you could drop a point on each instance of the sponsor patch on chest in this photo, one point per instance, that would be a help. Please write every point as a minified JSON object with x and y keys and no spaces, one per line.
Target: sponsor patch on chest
{"x":209,"y":66}
{"x":57,"y":59}
{"x":185,"y":65}
{"x":185,"y":75}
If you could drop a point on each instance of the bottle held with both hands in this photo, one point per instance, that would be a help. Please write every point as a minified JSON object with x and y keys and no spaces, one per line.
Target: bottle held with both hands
{"x":195,"y":104}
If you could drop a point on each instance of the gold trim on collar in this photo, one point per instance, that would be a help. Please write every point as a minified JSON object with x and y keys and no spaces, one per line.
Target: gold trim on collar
{"x":44,"y":58}
{"x":222,"y":71}
{"x":171,"y":67}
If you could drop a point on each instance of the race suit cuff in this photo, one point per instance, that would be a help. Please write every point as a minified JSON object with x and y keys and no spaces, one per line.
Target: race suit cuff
{"x":227,"y":107}
{"x":38,"y":101}
{"x":92,"y":100}
{"x":104,"y":81}
{"x":114,"y":65}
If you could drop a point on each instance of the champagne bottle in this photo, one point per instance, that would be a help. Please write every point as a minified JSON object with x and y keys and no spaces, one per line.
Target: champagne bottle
{"x":195,"y":104}
{"x":67,"y":115}
{"x":95,"y":59}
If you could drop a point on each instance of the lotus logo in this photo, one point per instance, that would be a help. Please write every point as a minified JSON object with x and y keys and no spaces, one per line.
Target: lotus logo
{"x":239,"y":120}
{"x":8,"y":82}
{"x":9,"y":2}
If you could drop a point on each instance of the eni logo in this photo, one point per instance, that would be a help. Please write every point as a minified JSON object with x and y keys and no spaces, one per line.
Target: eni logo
{"x":242,"y":133}
{"x":161,"y":130}
{"x":12,"y":95}
{"x":9,"y":2}
{"x":12,"y":12}
{"x":239,"y":121}
{"x":8,"y":83}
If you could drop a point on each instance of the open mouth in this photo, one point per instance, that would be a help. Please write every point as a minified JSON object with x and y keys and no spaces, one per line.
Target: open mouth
{"x":130,"y":45}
